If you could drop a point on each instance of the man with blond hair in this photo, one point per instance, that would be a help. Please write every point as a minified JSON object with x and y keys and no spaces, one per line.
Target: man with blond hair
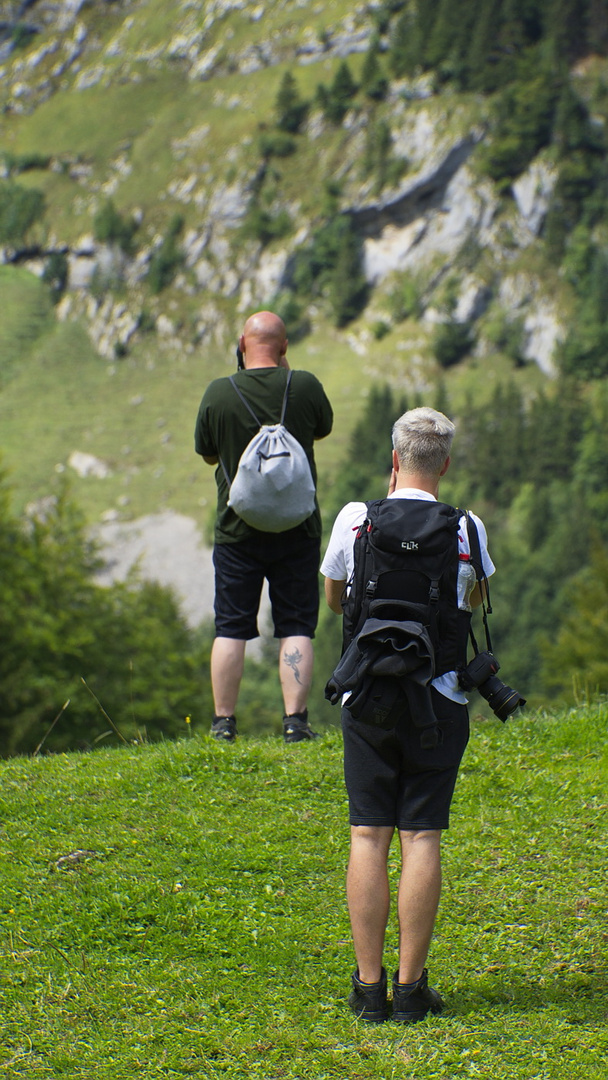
{"x":396,"y":781}
{"x":243,"y":556}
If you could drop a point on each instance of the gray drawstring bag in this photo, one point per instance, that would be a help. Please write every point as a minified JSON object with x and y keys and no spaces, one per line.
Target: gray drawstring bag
{"x":273,"y":489}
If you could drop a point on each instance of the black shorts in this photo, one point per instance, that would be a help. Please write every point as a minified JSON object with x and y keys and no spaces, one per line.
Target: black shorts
{"x":392,"y":780}
{"x":290,"y":562}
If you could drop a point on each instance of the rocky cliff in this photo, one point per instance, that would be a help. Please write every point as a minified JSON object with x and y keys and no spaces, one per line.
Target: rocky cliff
{"x":439,"y":224}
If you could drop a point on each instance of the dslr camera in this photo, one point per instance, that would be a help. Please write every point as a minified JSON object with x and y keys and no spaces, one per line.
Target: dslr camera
{"x":480,"y":674}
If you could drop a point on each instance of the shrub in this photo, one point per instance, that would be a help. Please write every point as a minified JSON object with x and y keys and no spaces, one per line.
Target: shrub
{"x":18,"y":163}
{"x":20,"y":208}
{"x":452,"y":341}
{"x":276,"y":144}
{"x":146,"y":324}
{"x":110,"y":227}
{"x":21,"y":33}
{"x":380,"y":329}
{"x":292,"y":312}
{"x":56,"y":274}
{"x":404,"y":300}
{"x":507,"y":335}
{"x":57,"y":627}
{"x":167,"y":258}
{"x":261,"y":225}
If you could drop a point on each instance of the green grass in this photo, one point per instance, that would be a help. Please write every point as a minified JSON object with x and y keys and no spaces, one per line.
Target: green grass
{"x":206,"y":932}
{"x":26,"y":314}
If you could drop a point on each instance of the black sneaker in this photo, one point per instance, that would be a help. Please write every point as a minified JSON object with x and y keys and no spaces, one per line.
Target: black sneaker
{"x":368,"y":1000}
{"x":223,"y":728}
{"x":296,"y":727}
{"x":413,"y":1003}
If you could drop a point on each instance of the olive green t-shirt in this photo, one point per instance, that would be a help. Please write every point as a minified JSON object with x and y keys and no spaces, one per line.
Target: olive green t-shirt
{"x":224,"y":427}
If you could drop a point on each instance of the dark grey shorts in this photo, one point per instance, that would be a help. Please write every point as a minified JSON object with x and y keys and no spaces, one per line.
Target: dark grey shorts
{"x":392,"y":780}
{"x":290,"y":563}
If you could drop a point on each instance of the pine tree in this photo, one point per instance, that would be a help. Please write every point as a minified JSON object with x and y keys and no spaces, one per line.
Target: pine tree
{"x":290,"y":109}
{"x":347,"y":287}
{"x":377,"y":157}
{"x":441,"y":50}
{"x":566,"y":26}
{"x":597,"y":27}
{"x":575,"y":661}
{"x":369,"y":455}
{"x":340,"y":94}
{"x":523,"y":120}
{"x":481,"y":60}
{"x":405,"y":49}
{"x":373,"y":82}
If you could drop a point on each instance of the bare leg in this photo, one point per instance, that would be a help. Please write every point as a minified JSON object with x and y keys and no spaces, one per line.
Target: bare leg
{"x":295,"y":672}
{"x":227,"y":662}
{"x":367,"y":891}
{"x":419,"y":892}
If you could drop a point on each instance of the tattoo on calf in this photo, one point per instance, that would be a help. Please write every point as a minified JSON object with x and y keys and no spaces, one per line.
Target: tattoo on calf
{"x":292,"y":660}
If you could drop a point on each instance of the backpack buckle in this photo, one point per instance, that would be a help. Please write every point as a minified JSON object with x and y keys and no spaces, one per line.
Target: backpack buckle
{"x":370,"y":588}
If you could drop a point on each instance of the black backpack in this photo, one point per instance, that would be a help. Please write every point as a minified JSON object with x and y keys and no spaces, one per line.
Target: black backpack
{"x":402,"y":624}
{"x":406,"y":568}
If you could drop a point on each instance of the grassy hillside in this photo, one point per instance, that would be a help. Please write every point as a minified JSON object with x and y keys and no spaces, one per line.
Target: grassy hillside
{"x":178,"y":910}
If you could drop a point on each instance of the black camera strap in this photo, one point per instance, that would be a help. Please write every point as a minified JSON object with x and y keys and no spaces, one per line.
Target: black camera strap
{"x":476,"y":560}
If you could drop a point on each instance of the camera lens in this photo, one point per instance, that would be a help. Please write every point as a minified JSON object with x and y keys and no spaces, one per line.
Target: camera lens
{"x":502,"y":699}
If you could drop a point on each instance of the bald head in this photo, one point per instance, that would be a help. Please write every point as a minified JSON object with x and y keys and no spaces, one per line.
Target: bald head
{"x":264,"y":340}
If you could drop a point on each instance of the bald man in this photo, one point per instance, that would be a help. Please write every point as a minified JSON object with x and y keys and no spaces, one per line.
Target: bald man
{"x":244,"y":557}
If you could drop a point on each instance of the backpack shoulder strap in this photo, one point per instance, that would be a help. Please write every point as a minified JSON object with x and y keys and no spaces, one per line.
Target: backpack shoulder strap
{"x":244,"y":400}
{"x":475,"y":549}
{"x":355,"y":589}
{"x":480,"y":574}
{"x":248,"y":406}
{"x":285,"y":395}
{"x":474,"y":545}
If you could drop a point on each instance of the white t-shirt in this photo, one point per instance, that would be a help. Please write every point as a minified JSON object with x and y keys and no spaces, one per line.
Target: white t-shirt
{"x":339,"y":561}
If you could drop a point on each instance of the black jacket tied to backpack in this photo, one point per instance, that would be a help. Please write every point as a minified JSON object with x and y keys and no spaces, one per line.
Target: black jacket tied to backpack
{"x":386,"y":660}
{"x":405,"y":577}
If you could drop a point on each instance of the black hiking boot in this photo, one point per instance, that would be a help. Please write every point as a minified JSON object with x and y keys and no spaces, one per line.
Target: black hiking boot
{"x":296,"y":728}
{"x":368,"y":1000}
{"x":223,"y":728}
{"x":412,"y":1003}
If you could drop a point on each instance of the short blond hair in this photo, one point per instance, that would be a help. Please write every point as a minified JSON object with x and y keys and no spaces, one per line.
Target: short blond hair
{"x":423,"y":440}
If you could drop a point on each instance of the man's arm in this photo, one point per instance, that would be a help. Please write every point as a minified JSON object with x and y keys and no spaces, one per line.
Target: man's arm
{"x":333,"y":594}
{"x":210,"y":460}
{"x":478,"y":594}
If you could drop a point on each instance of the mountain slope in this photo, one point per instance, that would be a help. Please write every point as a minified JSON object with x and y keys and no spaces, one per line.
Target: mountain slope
{"x":397,"y":223}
